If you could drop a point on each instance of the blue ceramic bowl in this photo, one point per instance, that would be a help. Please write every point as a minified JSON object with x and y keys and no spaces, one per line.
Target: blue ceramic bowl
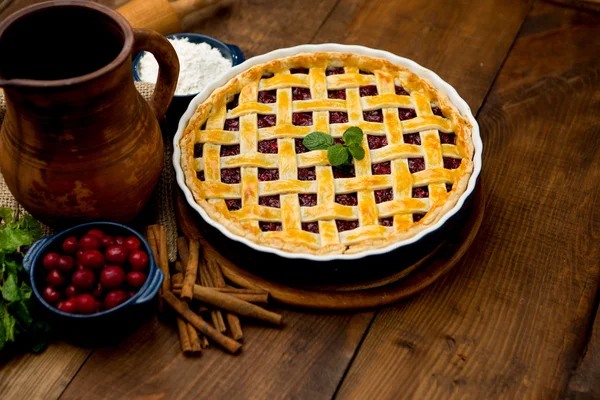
{"x":32,"y":263}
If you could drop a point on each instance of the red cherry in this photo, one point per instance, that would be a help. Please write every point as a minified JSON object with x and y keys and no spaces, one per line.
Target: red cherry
{"x":115,"y":298}
{"x":69,"y":306}
{"x":107,"y":241}
{"x":99,"y":306}
{"x":70,"y":245}
{"x":131,"y":294}
{"x":86,"y":304}
{"x":90,"y":242}
{"x":96,"y":232}
{"x":65,"y":263}
{"x":99,"y":291}
{"x":83,"y":279}
{"x":119,"y":240}
{"x":135,"y":279}
{"x":138,"y":260}
{"x":51,"y":295}
{"x":112,"y":277}
{"x":132,"y":243}
{"x":116,"y":254}
{"x":50,"y":260}
{"x":79,"y":253}
{"x":80,"y":266}
{"x":55,"y":278}
{"x":92,"y":259}
{"x":71,"y":291}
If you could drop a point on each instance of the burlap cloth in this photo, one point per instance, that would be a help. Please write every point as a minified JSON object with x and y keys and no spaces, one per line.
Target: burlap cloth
{"x":161,"y":209}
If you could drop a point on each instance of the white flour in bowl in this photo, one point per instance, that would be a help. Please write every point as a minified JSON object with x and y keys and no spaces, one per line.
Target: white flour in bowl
{"x":199,"y":65}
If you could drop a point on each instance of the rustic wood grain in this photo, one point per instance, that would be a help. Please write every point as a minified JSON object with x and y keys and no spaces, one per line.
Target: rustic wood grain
{"x":513,"y":320}
{"x":41,"y":376}
{"x":263,"y":25}
{"x":301,"y":360}
{"x":585,"y":382}
{"x":463,"y":41}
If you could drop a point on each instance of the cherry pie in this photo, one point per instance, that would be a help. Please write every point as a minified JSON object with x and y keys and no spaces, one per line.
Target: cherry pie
{"x":245,"y":162}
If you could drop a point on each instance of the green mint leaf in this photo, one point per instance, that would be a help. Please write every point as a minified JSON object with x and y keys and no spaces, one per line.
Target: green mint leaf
{"x":3,"y":332}
{"x":29,"y":224}
{"x":25,"y":290}
{"x":353,"y":135}
{"x":8,"y":323}
{"x":10,"y":290}
{"x":357,"y":151}
{"x":11,"y":266}
{"x":11,"y":238}
{"x":6,"y":215}
{"x":317,"y":141}
{"x":338,"y":155}
{"x":21,"y":313}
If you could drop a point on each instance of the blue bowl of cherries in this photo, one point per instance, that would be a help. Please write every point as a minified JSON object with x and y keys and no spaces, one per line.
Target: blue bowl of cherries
{"x":92,"y":271}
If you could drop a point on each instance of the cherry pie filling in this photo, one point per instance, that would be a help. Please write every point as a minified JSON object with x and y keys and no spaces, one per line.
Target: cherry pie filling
{"x":233,"y":176}
{"x":267,"y":96}
{"x":269,"y":201}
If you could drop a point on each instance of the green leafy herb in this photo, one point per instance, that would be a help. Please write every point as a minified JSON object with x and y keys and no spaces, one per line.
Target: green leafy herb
{"x":317,"y":141}
{"x":353,"y":135}
{"x":16,"y":321}
{"x":338,"y":154}
{"x":357,"y":151}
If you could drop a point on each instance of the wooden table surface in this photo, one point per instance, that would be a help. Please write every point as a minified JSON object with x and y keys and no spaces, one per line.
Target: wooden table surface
{"x":514,"y":319}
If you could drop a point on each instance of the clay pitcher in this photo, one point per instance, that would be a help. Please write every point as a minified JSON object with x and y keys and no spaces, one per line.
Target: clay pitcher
{"x":78,"y":141}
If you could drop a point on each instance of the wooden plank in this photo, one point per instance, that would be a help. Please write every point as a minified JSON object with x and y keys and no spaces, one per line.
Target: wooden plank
{"x":41,"y":376}
{"x":585,"y":382}
{"x":463,"y":41}
{"x":512,"y":321}
{"x":263,"y":26}
{"x":301,"y":360}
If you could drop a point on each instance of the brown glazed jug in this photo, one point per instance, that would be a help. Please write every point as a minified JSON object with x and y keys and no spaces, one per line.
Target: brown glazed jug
{"x":78,"y":142}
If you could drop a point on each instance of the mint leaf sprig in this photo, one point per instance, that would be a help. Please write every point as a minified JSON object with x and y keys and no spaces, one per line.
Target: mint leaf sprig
{"x":17,"y":324}
{"x":338,"y":154}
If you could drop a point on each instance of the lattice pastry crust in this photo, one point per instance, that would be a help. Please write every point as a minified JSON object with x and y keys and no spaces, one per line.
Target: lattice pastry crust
{"x":245,"y":164}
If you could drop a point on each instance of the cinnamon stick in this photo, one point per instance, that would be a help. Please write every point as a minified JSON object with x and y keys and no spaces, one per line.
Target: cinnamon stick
{"x":157,"y":238}
{"x":204,"y":342}
{"x":250,"y":298}
{"x":152,"y":241}
{"x":178,"y":267}
{"x":183,"y":249}
{"x":206,"y":280}
{"x":184,"y":338}
{"x":194,"y":339}
{"x":189,"y":340}
{"x":235,"y":327}
{"x":238,"y":307}
{"x":176,"y":281}
{"x":230,"y":289}
{"x":233,"y":291}
{"x":183,"y":309}
{"x":191,"y":270}
{"x":219,"y":282}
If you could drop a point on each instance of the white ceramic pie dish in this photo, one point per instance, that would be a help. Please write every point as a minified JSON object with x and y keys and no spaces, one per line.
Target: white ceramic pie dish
{"x":432,"y":77}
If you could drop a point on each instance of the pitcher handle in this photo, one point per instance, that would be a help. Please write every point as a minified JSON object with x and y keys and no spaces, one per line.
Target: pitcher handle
{"x":168,"y":67}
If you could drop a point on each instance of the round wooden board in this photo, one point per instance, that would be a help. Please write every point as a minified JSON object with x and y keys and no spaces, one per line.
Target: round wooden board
{"x":370,"y":294}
